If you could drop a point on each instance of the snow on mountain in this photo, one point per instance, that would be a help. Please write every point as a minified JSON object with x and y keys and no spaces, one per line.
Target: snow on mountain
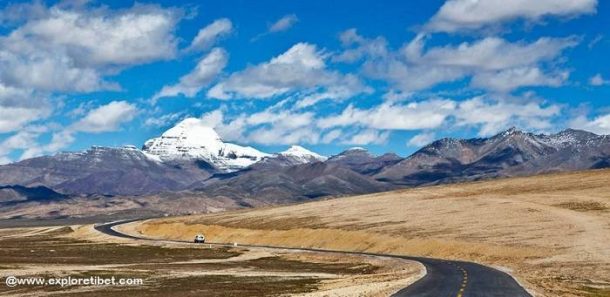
{"x":302,"y":155}
{"x":193,"y":139}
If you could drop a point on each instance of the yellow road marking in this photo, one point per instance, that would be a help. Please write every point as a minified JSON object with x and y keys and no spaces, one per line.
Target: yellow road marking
{"x":464,"y":281}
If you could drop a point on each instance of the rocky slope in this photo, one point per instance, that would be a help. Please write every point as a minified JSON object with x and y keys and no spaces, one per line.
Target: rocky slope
{"x":509,"y":153}
{"x":192,"y":160}
{"x":105,"y":171}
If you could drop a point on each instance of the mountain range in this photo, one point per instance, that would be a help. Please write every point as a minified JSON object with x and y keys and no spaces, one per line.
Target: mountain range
{"x":191,"y":160}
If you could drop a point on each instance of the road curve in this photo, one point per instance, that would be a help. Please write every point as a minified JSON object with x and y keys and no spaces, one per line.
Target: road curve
{"x":444,"y":278}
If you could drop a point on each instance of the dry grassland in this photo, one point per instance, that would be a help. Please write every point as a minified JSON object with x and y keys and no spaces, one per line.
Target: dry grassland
{"x":552,"y":232}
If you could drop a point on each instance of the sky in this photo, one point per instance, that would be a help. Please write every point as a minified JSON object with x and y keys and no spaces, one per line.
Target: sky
{"x":390,"y":76}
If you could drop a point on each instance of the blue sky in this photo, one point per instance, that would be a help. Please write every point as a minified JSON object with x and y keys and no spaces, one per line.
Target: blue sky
{"x":390,"y":76}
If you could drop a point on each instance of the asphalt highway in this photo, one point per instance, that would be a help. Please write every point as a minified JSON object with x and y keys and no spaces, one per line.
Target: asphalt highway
{"x":443,"y":278}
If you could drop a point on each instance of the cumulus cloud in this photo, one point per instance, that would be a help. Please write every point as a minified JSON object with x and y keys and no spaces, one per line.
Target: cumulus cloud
{"x":19,"y":107}
{"x":487,"y":62}
{"x":510,"y":79}
{"x":274,"y":126}
{"x":368,"y":136}
{"x":270,"y":126}
{"x":460,"y":15}
{"x":26,"y":140}
{"x":491,"y":53}
{"x":375,"y":48}
{"x":163,"y":120}
{"x":284,"y":123}
{"x":207,"y":36}
{"x":21,"y":140}
{"x":598,"y":80}
{"x":14,"y":118}
{"x":205,"y":72}
{"x":421,"y":139}
{"x":281,"y":125}
{"x":59,"y":140}
{"x":300,"y":68}
{"x":599,"y":124}
{"x":391,"y":116}
{"x":63,"y":48}
{"x":106,"y":118}
{"x":492,"y":115}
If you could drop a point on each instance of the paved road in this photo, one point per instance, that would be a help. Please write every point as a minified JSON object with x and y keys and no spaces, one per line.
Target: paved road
{"x":443,"y":278}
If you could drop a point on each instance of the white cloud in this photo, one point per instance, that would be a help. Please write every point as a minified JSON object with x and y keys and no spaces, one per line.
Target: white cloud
{"x":270,"y":126}
{"x":192,"y":83}
{"x":391,"y":116}
{"x":26,"y":141}
{"x":416,"y":67}
{"x":106,"y":118}
{"x":597,"y":80}
{"x":207,"y":36}
{"x":5,"y":160}
{"x":599,"y":124}
{"x":20,"y":140}
{"x":164,"y":120}
{"x":421,"y":139}
{"x":284,"y":23}
{"x":63,"y":48}
{"x":408,"y":77}
{"x":375,"y":48}
{"x":275,"y":125}
{"x":300,"y":68}
{"x":492,"y":116}
{"x":59,"y":141}
{"x":276,"y":135}
{"x":14,"y":118}
{"x":459,"y":15}
{"x":229,"y":129}
{"x":368,"y":136}
{"x":490,"y":53}
{"x":282,"y":123}
{"x":331,"y":136}
{"x":19,"y":107}
{"x":510,"y":79}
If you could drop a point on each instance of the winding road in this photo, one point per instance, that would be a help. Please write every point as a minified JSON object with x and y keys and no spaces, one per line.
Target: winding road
{"x":443,"y":278}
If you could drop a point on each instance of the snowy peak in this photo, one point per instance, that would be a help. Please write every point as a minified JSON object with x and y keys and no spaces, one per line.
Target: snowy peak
{"x":302,"y":154}
{"x":356,"y":149}
{"x":193,"y":139}
{"x":571,"y":137}
{"x":354,"y":152}
{"x":190,"y":132}
{"x":295,"y":155}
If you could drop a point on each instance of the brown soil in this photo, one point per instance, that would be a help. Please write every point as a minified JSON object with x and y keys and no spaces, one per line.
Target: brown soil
{"x":551,"y":231}
{"x":183,"y":269}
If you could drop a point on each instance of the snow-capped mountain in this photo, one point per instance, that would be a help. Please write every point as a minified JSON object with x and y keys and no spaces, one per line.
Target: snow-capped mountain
{"x":295,"y":155}
{"x":192,"y":157}
{"x":302,"y":155}
{"x":191,"y":139}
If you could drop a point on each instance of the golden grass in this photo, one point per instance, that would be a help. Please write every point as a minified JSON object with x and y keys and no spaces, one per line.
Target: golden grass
{"x":551,"y":230}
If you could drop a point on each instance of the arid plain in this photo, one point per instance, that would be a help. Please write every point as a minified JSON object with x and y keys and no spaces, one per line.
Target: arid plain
{"x":186,"y":269}
{"x":551,"y":232}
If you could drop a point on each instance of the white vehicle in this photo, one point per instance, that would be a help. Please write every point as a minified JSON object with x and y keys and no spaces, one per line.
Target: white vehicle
{"x":199,"y":238}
